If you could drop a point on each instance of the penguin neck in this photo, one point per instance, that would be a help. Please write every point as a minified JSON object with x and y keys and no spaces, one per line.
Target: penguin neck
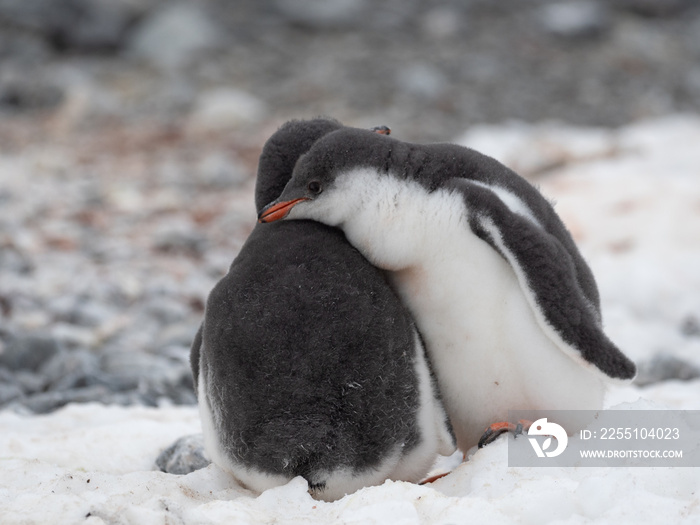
{"x":395,"y":221}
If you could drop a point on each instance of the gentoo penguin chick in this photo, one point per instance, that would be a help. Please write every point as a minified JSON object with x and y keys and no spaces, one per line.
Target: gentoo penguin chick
{"x":307,"y":363}
{"x":508,"y":309}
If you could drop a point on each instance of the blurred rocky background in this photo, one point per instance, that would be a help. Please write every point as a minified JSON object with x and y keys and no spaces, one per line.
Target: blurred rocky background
{"x":130,"y":130}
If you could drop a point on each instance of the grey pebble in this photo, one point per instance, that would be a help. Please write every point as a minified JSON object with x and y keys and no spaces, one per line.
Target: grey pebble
{"x":45,"y":402}
{"x":691,"y":326}
{"x":9,"y":387}
{"x":322,"y":14}
{"x":29,"y":382}
{"x":26,"y":91}
{"x":184,"y":456}
{"x":28,"y":352}
{"x":574,"y":19}
{"x":73,"y":336}
{"x":165,"y":309}
{"x":72,"y":24}
{"x":82,"y":311}
{"x":180,"y":240}
{"x":654,"y":8}
{"x":71,"y":369}
{"x":18,"y":46}
{"x":422,"y":80}
{"x":218,"y":171}
{"x":188,"y":30}
{"x":152,"y":377}
{"x":177,"y":335}
{"x":665,"y":367}
{"x":135,"y":367}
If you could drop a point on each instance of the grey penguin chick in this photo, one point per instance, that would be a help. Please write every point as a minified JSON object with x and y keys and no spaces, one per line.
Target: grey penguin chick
{"x":508,"y":309}
{"x":307,"y":363}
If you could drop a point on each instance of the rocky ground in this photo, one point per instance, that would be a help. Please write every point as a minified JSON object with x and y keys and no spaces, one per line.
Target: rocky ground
{"x":429,"y":67}
{"x":130,"y":130}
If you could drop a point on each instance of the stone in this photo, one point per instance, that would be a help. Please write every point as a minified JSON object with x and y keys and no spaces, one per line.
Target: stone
{"x":46,"y":402}
{"x":654,"y":8}
{"x":165,"y":309}
{"x":28,"y":352}
{"x":177,"y":388}
{"x":223,"y":108}
{"x":133,"y":365}
{"x":422,"y":80}
{"x":665,"y":367}
{"x":73,"y":336}
{"x":184,"y":456}
{"x":180,"y":238}
{"x":89,"y":25}
{"x":574,"y":19}
{"x":691,"y":326}
{"x":174,"y":35}
{"x":72,"y":369}
{"x":9,"y":388}
{"x":22,"y":47}
{"x":9,"y":392}
{"x":22,"y":92}
{"x":443,"y":22}
{"x":29,"y":382}
{"x":81,"y":311}
{"x":153,"y":377}
{"x":217,"y":170}
{"x":177,"y":335}
{"x":323,"y":14}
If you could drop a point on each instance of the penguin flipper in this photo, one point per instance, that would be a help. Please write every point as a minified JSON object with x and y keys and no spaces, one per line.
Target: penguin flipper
{"x":194,"y":356}
{"x":547,"y":275}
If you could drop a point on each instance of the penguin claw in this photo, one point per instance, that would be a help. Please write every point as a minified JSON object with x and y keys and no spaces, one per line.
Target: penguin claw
{"x":496,"y":429}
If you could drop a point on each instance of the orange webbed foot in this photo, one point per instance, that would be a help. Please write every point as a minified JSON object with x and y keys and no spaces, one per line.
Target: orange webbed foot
{"x":496,"y":429}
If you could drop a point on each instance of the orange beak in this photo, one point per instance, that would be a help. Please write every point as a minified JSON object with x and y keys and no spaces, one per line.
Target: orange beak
{"x":279,"y":211}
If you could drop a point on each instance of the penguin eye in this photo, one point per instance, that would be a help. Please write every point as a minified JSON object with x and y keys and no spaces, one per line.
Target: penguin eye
{"x":314,"y":187}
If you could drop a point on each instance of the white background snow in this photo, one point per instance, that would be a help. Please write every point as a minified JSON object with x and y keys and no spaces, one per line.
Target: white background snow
{"x":632,"y":200}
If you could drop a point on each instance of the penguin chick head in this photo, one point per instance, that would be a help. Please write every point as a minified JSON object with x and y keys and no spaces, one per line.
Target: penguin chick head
{"x":347,"y":180}
{"x":310,"y":195}
{"x":282,"y":150}
{"x":320,"y":188}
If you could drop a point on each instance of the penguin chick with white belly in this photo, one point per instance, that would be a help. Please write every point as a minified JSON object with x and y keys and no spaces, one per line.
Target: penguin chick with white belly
{"x":508,"y":309}
{"x":307,"y":363}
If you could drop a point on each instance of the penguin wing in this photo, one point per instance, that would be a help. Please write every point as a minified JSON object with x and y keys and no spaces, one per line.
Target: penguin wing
{"x":194,"y":356}
{"x":546,"y":272}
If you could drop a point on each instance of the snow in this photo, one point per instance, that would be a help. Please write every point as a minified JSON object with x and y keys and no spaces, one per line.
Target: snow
{"x":631,"y":197}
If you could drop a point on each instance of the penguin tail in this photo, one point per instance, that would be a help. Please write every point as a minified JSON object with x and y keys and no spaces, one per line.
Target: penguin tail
{"x":302,"y":447}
